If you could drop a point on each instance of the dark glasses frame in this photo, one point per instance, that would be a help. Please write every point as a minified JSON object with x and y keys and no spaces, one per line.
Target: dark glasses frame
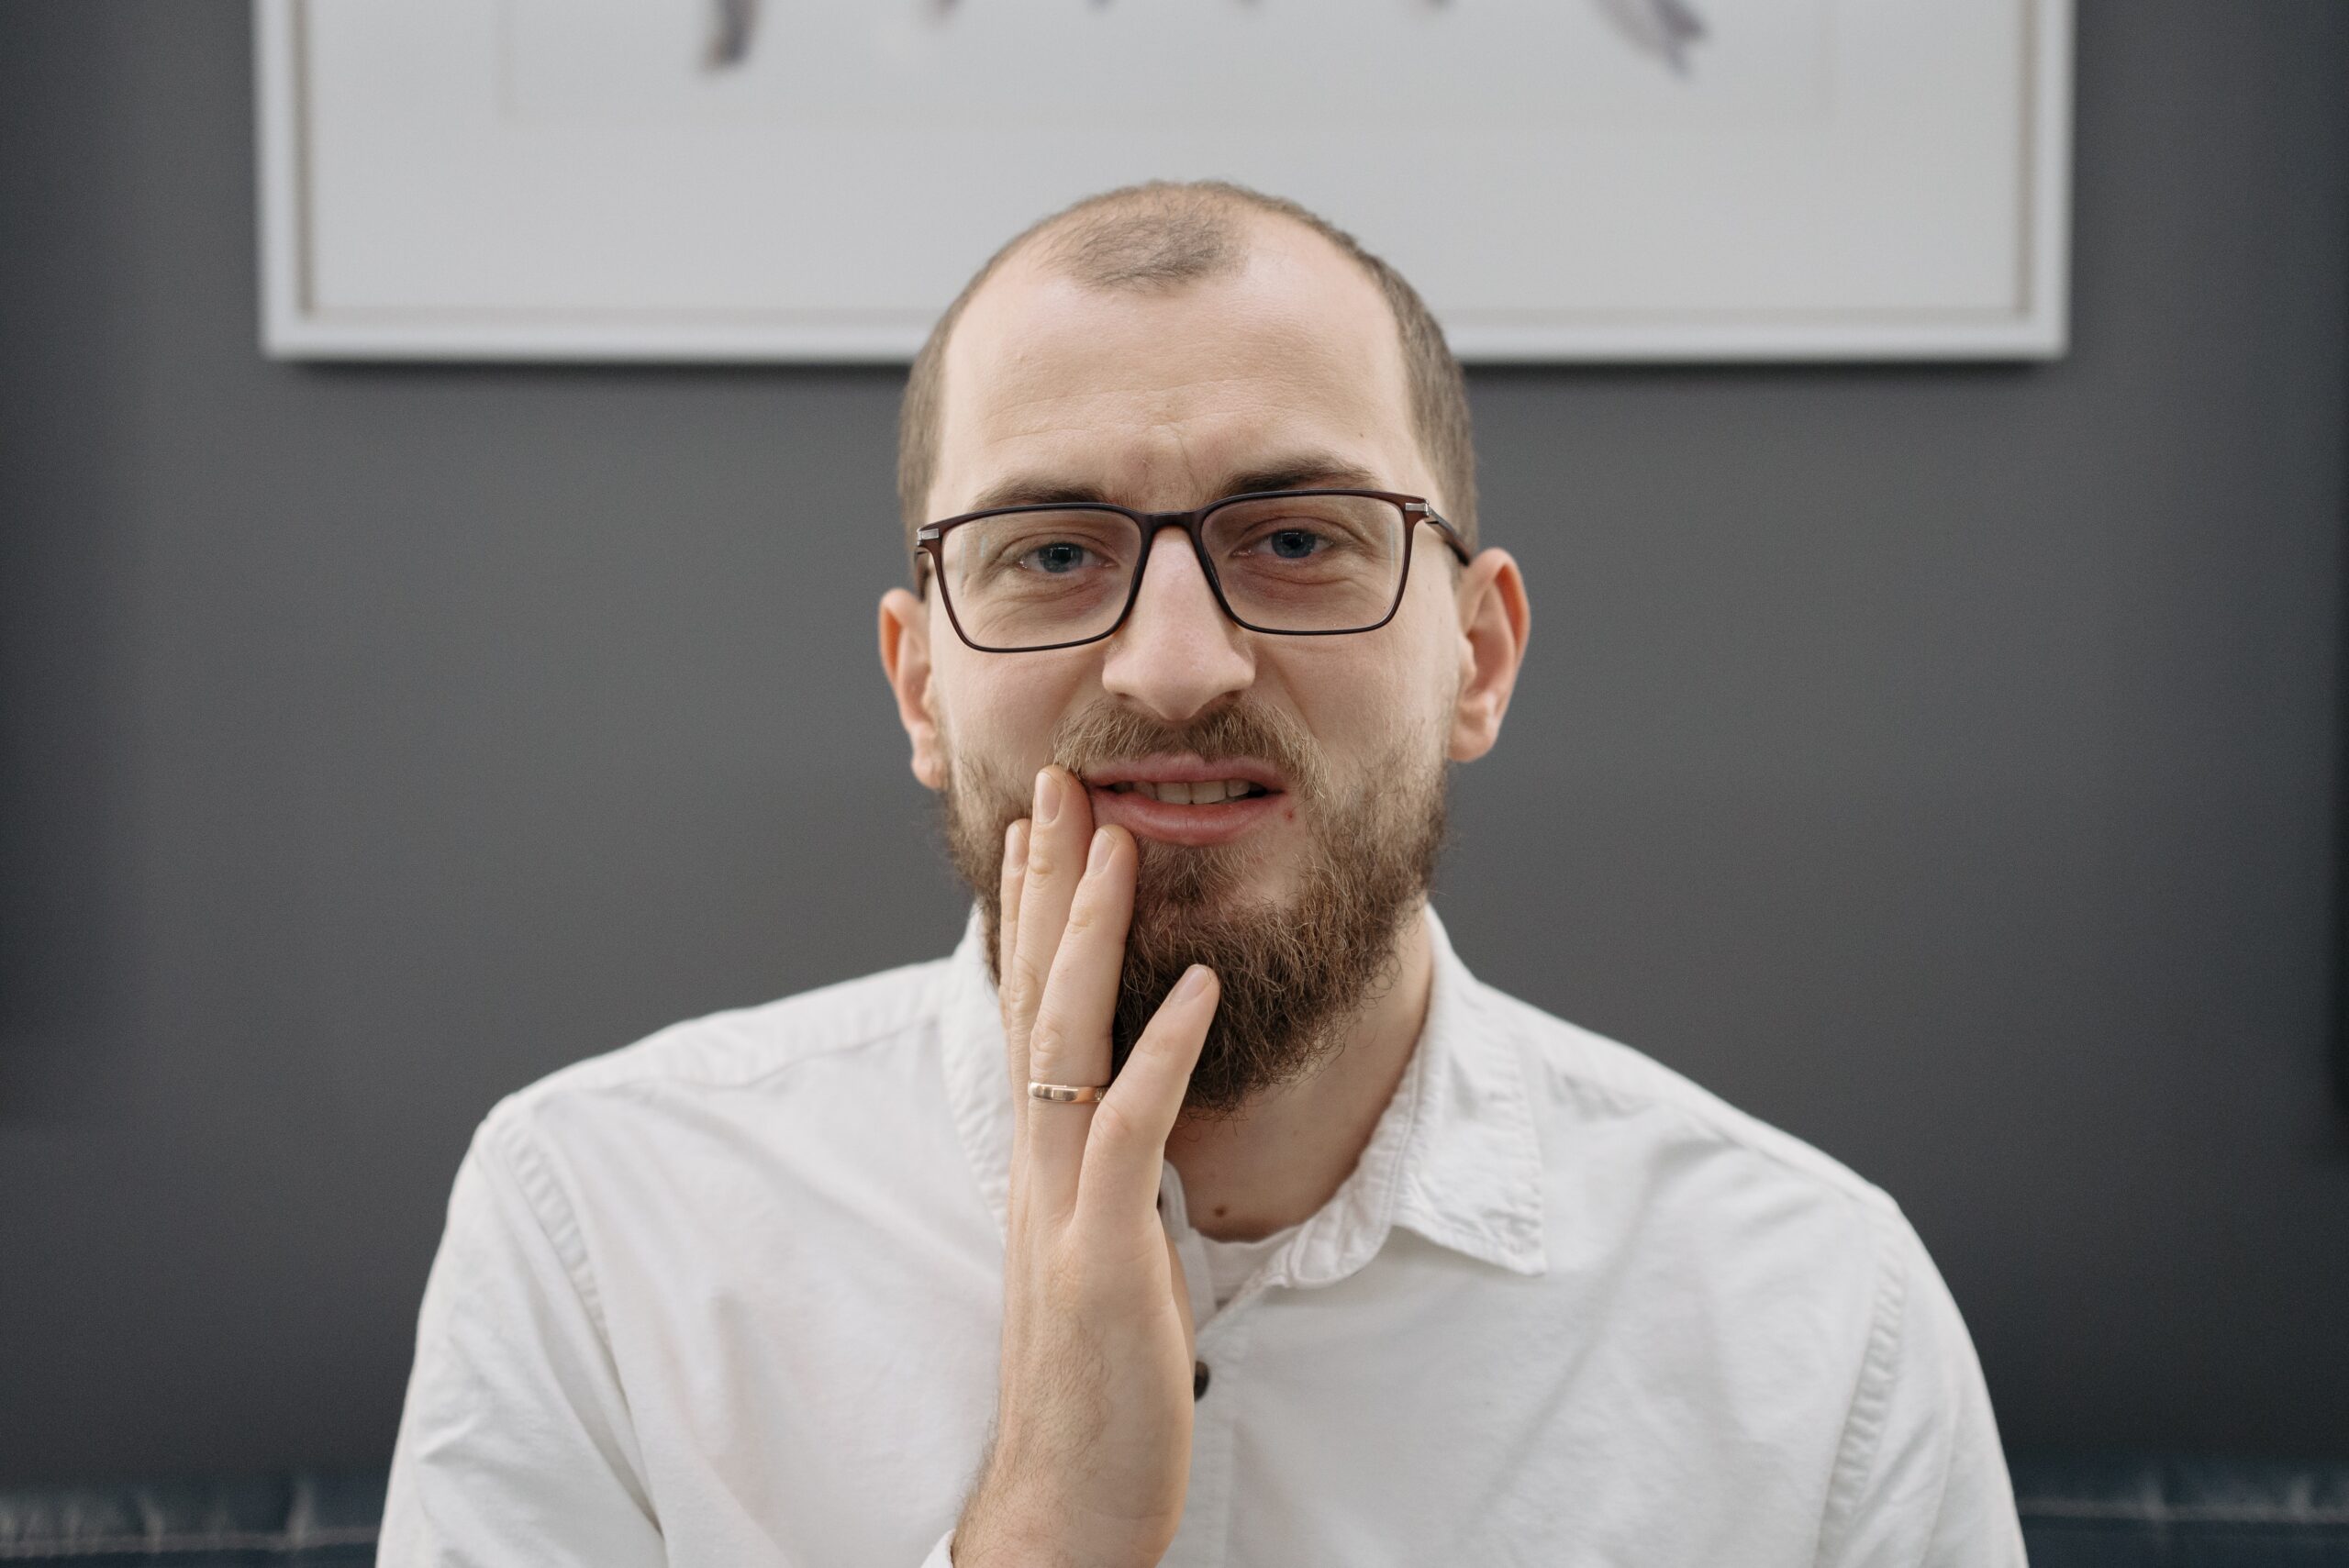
{"x":930,"y":546}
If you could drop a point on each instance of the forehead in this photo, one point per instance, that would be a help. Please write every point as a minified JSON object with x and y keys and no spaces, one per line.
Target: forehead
{"x":1154,"y":397}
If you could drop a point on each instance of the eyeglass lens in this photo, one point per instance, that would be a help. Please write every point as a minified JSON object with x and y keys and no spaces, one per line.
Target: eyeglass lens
{"x":1285,"y":563}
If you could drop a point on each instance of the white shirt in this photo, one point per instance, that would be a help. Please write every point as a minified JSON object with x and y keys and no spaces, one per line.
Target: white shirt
{"x":730,"y":1297}
{"x":1230,"y":1264}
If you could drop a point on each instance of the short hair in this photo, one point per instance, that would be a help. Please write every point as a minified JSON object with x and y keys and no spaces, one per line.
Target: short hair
{"x":1162,"y":235}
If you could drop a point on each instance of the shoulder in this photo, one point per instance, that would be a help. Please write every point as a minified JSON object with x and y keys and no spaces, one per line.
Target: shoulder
{"x":1680,"y":1189}
{"x":604,"y":1163}
{"x":1786,"y":1246}
{"x":739,"y":1048}
{"x":1581,"y":1079}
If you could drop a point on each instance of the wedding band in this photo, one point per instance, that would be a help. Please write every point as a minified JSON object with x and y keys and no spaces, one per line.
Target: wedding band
{"x":1065,"y":1092}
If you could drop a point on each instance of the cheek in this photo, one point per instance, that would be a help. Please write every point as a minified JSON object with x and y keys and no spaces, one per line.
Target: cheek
{"x":1358,"y":695}
{"x":1421,"y":666}
{"x":1004,"y":706}
{"x":1439,"y":635}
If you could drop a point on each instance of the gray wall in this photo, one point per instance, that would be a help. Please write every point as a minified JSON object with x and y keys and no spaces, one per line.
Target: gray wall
{"x":1940,"y":762}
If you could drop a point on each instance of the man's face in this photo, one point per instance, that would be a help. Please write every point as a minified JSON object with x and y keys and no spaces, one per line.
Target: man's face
{"x":1287,"y":374}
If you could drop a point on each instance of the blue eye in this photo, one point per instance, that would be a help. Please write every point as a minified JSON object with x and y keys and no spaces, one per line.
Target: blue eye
{"x":1058,"y":559}
{"x":1293,"y":544}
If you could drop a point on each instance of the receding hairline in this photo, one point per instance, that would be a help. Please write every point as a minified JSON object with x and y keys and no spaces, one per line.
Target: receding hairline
{"x":1077,"y":258}
{"x":1165,"y":238}
{"x":1043,"y":260}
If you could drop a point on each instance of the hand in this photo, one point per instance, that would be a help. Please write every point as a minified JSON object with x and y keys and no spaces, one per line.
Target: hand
{"x":1092,"y":1451}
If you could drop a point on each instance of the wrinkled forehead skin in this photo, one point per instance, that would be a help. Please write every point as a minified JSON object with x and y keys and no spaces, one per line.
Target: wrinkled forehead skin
{"x":1155,"y":397}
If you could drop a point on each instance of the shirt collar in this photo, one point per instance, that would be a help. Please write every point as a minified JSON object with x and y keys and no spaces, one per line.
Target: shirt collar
{"x":1454,"y":1156}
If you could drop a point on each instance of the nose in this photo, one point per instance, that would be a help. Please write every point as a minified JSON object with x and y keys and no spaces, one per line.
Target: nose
{"x":1177,"y":652}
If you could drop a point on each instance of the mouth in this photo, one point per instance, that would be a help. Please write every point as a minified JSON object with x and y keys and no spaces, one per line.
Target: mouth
{"x":1186,"y":800}
{"x":1175,"y":792}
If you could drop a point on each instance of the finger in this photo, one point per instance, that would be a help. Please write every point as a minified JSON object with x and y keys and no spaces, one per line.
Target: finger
{"x":1122,"y":1158}
{"x":1014,"y":876}
{"x":1056,"y":842}
{"x":1014,"y":879}
{"x":1069,"y":1042}
{"x":1182,"y":1296}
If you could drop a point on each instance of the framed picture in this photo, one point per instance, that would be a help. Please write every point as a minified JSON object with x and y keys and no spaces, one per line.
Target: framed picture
{"x":783,"y":180}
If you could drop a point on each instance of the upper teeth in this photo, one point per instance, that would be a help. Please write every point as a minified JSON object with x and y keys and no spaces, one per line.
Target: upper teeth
{"x":1206,"y":794}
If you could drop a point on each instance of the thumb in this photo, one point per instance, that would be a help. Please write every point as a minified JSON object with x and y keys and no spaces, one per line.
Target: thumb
{"x":1182,"y":1295}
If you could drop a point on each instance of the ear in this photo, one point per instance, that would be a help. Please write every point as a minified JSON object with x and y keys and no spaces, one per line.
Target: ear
{"x":904,"y":659}
{"x":1494,"y":621}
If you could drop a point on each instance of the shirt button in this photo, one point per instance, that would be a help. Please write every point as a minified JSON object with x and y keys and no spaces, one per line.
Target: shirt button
{"x":1198,"y":1379}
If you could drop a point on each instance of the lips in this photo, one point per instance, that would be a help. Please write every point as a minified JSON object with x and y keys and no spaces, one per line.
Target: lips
{"x":1187,"y":769}
{"x":1207,"y":792}
{"x":1186,"y":800}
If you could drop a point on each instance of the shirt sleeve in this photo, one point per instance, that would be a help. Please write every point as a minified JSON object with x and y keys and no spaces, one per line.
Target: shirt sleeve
{"x":515,"y":1444}
{"x":1920,"y":1481}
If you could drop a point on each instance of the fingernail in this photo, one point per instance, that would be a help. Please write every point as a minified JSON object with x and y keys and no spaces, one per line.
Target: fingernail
{"x":1048,"y":797}
{"x":1097,"y":853}
{"x":1015,"y":848}
{"x":1193,"y":983}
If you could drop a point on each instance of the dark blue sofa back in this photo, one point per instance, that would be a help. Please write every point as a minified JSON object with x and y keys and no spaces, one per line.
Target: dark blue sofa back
{"x":2078,"y":1511}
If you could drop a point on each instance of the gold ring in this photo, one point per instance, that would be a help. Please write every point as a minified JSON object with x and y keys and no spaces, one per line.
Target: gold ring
{"x":1065,"y":1092}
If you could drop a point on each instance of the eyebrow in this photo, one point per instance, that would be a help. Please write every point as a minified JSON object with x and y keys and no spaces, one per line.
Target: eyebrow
{"x":1296,"y":471}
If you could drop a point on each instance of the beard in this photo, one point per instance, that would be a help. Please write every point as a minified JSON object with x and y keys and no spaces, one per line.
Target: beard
{"x":1293,"y":971}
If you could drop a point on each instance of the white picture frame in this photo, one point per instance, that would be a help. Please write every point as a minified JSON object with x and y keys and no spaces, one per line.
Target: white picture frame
{"x":1563,"y":180}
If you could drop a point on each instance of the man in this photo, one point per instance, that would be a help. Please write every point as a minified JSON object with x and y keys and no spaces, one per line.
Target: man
{"x":1202,"y":1208}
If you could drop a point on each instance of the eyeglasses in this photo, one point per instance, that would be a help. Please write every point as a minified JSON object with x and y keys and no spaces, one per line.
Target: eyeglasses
{"x":1293,"y":563}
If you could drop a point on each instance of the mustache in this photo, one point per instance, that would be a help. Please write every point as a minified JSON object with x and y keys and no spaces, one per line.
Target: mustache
{"x":1092,"y":738}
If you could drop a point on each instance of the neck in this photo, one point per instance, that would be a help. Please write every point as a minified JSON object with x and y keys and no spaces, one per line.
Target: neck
{"x":1285,"y":1155}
